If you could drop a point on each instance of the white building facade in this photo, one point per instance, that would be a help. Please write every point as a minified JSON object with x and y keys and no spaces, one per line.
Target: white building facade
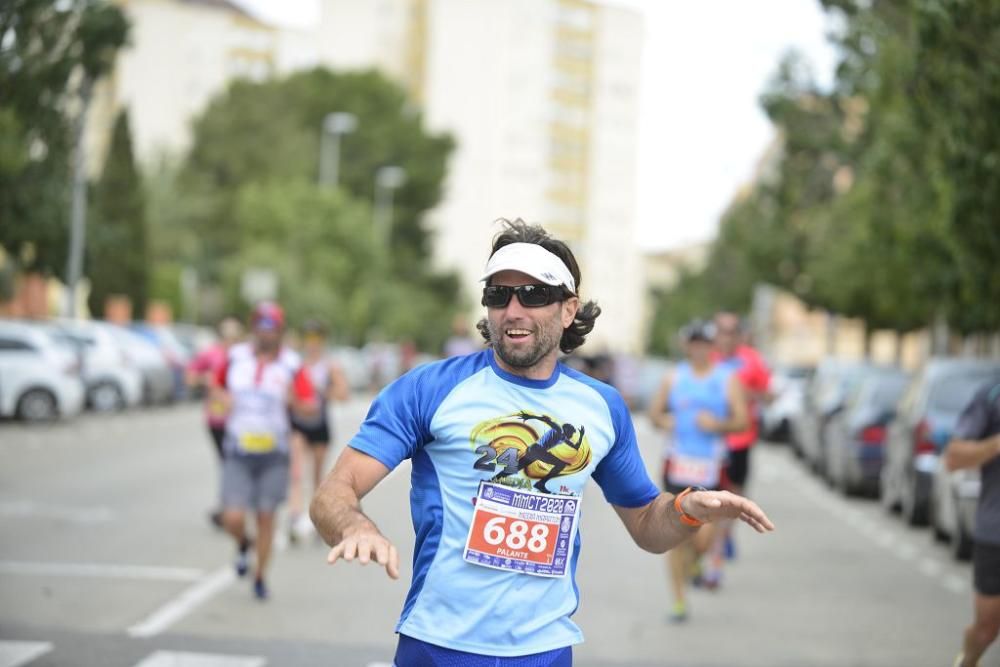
{"x":540,"y":95}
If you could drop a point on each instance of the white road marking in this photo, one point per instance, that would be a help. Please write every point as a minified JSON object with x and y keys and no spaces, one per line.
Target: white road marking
{"x":930,"y":567}
{"x":15,"y":654}
{"x":99,"y":570}
{"x":954,"y":583}
{"x":186,"y":659}
{"x":886,"y":541}
{"x":905,"y":551}
{"x":30,"y":509}
{"x":183,"y":604}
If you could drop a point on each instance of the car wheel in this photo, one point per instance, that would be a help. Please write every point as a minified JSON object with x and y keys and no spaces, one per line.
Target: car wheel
{"x":961,"y":544}
{"x":932,"y":517}
{"x":888,"y":496}
{"x":106,"y":397}
{"x":914,"y":513}
{"x":37,"y":405}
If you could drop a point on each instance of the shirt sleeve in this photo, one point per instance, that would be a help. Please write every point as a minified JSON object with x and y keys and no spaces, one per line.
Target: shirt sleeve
{"x":220,"y":373}
{"x":621,"y":474}
{"x":975,"y":419}
{"x":302,"y":386}
{"x":395,"y":425}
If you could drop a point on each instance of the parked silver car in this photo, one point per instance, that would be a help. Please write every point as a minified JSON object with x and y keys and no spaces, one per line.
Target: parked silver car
{"x":157,"y":376}
{"x":112,"y":380}
{"x":39,"y":376}
{"x":952,"y":504}
{"x":927,"y":414}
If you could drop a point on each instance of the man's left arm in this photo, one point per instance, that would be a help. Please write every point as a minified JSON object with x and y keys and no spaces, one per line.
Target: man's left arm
{"x":651,"y":517}
{"x":657,"y":527}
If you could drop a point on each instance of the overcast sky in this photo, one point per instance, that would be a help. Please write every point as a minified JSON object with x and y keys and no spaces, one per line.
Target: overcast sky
{"x":701,"y":129}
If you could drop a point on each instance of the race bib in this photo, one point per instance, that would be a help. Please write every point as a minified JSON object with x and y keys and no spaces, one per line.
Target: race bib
{"x":693,"y":471}
{"x":258,"y":443}
{"x":522,"y":531}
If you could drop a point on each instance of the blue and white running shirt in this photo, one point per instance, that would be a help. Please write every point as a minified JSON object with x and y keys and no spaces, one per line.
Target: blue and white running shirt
{"x":458,"y":419}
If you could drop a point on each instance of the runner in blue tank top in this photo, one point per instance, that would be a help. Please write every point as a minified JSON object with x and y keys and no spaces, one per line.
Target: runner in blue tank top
{"x":502,"y":443}
{"x":697,"y":404}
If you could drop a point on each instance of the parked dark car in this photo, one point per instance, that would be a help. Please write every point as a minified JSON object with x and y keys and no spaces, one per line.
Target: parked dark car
{"x":952,"y":505}
{"x":926,"y":416}
{"x":825,"y":396}
{"x":855,"y":436}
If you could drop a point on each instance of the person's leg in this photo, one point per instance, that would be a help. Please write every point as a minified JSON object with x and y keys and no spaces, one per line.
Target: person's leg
{"x":677,"y":564}
{"x":984,"y":629}
{"x":319,"y":453}
{"x":236,"y":492}
{"x":271,"y":489}
{"x":265,"y":538}
{"x":297,"y":456}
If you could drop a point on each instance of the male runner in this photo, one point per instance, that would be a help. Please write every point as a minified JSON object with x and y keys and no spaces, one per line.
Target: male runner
{"x":493,"y":564}
{"x":976,"y":444}
{"x":260,"y":382}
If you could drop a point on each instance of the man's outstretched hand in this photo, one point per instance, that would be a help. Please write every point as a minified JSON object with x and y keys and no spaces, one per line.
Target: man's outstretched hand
{"x":366,"y":546}
{"x":710,"y":506}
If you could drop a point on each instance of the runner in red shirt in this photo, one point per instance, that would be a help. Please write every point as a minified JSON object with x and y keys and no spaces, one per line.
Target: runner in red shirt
{"x":755,"y":376}
{"x":201,"y":373}
{"x":261,"y":382}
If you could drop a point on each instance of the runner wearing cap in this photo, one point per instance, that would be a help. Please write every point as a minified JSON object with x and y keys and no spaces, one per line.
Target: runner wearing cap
{"x":495,"y":555}
{"x":260,"y":383}
{"x":697,"y":403}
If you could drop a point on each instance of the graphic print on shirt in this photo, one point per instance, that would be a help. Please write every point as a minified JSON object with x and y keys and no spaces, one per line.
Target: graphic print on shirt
{"x":526,"y":449}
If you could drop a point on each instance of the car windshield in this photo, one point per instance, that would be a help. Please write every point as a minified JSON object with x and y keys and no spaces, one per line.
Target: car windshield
{"x":880,"y":391}
{"x":951,"y":393}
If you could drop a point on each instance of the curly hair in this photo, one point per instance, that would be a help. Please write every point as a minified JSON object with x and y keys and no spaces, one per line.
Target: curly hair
{"x":518,"y":231}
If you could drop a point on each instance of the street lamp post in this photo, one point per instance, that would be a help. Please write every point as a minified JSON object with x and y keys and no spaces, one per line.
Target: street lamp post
{"x":387,"y":180}
{"x":335,"y":125}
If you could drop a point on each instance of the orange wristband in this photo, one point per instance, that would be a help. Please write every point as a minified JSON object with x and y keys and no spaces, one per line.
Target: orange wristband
{"x":686,"y":518}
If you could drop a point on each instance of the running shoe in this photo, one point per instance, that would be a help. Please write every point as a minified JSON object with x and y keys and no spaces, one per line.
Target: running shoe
{"x":260,"y":589}
{"x":243,"y":559}
{"x":711,"y":581}
{"x":729,"y":548}
{"x":678,"y":614}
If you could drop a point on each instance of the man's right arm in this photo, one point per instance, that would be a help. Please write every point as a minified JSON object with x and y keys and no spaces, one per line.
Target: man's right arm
{"x":971,"y":447}
{"x":336,"y":512}
{"x":971,"y":453}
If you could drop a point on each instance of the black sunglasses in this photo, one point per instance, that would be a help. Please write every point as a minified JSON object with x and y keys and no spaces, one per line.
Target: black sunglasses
{"x":529,"y":296}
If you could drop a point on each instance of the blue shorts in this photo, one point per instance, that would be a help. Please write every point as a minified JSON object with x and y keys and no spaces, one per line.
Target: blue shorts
{"x":414,"y":653}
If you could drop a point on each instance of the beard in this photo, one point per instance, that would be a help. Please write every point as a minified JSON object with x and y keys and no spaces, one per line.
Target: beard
{"x":547,"y":336}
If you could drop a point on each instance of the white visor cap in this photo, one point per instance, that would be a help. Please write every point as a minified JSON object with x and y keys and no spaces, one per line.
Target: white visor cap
{"x":533,"y":260}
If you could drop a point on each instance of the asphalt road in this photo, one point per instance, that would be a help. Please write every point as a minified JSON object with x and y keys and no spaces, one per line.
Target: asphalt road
{"x":107,"y":558}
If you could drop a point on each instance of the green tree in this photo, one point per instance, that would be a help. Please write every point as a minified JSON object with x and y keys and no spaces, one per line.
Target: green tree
{"x":48,"y":52}
{"x":118,"y":258}
{"x":270,"y":131}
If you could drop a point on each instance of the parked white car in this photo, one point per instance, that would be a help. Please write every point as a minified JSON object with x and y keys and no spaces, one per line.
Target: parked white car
{"x":112,"y":380}
{"x":39,"y":376}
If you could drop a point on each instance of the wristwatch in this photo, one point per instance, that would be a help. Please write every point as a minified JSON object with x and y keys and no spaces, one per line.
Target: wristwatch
{"x":686,"y":518}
